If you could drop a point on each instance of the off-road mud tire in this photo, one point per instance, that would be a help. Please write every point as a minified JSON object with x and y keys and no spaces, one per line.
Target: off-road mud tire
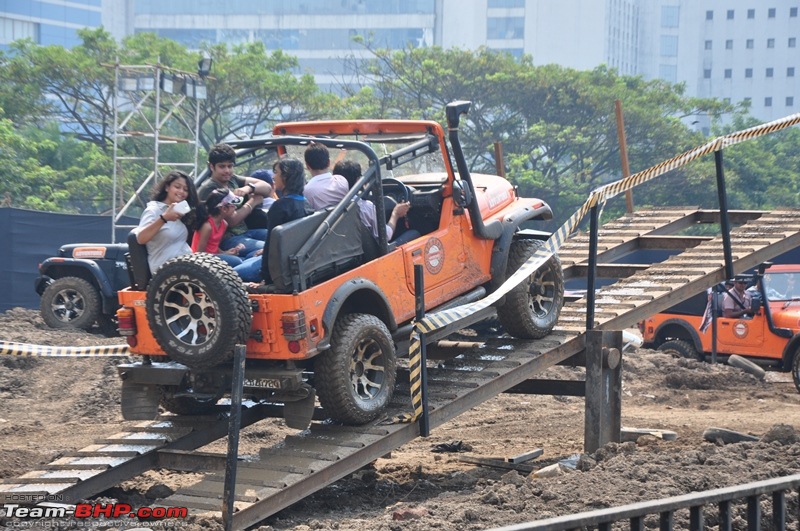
{"x":70,"y":302}
{"x":531,"y":309}
{"x":198,"y":310}
{"x":341,"y":374}
{"x":680,"y":349}
{"x":796,"y":370}
{"x":187,"y":405}
{"x":746,"y":365}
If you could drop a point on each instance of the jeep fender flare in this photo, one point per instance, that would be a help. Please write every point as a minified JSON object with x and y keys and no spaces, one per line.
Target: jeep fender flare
{"x":692,"y":334}
{"x":357,"y":294}
{"x":76,"y":267}
{"x":789,"y":351}
{"x":511,"y":224}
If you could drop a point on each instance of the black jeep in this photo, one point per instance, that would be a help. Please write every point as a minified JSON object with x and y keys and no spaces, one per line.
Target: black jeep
{"x":79,"y":285}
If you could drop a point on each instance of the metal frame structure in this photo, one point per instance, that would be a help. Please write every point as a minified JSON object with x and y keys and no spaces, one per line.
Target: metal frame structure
{"x":157,"y":96}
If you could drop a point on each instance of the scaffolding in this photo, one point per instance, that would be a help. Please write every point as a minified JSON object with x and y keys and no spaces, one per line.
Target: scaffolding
{"x":149,"y":99}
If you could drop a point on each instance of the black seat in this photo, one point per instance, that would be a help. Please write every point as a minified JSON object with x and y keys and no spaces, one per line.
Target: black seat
{"x":340,"y":249}
{"x":138,"y":268}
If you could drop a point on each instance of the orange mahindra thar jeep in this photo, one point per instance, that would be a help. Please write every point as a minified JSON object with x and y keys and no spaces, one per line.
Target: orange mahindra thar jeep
{"x":770,"y":336}
{"x":341,"y":302}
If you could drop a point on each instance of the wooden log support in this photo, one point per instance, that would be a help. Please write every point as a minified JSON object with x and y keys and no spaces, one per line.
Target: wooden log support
{"x":603,"y":420}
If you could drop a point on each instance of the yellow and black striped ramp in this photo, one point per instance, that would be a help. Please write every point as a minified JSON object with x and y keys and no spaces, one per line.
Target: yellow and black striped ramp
{"x":12,"y":348}
{"x":598,"y":197}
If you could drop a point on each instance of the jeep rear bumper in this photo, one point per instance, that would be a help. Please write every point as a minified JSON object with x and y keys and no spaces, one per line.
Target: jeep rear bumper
{"x":257,"y":379}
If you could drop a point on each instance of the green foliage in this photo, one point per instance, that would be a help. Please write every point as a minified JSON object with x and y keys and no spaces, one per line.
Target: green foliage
{"x":251,"y":90}
{"x":42,"y":170}
{"x":557,"y":125}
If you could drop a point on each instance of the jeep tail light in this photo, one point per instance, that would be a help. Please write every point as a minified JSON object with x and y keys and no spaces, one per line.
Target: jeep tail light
{"x":126,"y":325}
{"x":293,"y":325}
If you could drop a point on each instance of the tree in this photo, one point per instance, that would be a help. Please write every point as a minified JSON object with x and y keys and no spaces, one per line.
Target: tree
{"x":72,"y":86}
{"x":251,"y":90}
{"x":47,"y":171}
{"x":557,"y":125}
{"x":248,"y":90}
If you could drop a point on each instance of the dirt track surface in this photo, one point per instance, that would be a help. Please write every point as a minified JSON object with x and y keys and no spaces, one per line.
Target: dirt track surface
{"x":55,"y":405}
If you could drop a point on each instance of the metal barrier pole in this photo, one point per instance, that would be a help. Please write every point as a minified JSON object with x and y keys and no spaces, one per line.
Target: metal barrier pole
{"x":714,"y":310}
{"x":724,"y":223}
{"x":419,"y":297}
{"x":234,"y":425}
{"x":594,"y":222}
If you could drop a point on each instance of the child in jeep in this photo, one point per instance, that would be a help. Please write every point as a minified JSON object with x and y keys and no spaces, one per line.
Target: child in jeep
{"x":216,"y":210}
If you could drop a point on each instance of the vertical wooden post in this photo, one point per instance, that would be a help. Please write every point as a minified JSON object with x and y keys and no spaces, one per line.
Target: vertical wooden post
{"x":498,"y":159}
{"x":603,"y":418}
{"x":623,"y":154}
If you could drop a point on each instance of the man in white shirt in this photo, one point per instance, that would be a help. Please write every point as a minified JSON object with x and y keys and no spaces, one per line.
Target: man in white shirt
{"x":737,"y":302}
{"x":323,"y":189}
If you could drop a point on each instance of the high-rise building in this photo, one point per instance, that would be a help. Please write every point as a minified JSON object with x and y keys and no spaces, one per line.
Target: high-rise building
{"x":318,"y":32}
{"x":734,"y":50}
{"x":47,"y":21}
{"x":579,"y":34}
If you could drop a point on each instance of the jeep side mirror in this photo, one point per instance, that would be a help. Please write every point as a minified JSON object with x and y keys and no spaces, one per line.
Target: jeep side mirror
{"x":755,"y":303}
{"x":461,"y":194}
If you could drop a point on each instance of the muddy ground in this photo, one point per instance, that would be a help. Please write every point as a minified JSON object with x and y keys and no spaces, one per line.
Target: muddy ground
{"x":54,"y":405}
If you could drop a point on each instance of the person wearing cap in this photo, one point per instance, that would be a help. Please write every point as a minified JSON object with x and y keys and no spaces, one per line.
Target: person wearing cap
{"x":221,"y":204}
{"x":221,"y":161}
{"x":737,"y":302}
{"x":266,"y":176}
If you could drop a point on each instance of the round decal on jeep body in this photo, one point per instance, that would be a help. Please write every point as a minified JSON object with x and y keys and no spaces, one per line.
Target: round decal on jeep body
{"x":740,"y":329}
{"x":434,"y":255}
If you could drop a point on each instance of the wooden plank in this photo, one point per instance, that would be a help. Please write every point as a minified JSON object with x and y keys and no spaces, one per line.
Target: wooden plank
{"x":496,"y":463}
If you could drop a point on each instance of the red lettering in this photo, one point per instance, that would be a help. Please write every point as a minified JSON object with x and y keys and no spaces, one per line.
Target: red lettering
{"x":83,"y":510}
{"x":102,"y":510}
{"x":121,"y":509}
{"x":177,"y":512}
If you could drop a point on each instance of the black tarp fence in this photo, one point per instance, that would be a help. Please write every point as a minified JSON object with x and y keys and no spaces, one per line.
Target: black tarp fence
{"x":27,"y":237}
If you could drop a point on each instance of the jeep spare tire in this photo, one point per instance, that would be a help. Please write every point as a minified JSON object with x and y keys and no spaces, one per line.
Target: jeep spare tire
{"x":198,"y":310}
{"x":531,"y":309}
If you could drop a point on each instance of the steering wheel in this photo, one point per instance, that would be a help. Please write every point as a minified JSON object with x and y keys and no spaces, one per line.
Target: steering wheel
{"x":394,"y":192}
{"x":395,"y":189}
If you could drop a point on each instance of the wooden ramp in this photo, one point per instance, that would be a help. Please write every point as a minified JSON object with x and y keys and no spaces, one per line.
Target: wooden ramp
{"x":307,"y":462}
